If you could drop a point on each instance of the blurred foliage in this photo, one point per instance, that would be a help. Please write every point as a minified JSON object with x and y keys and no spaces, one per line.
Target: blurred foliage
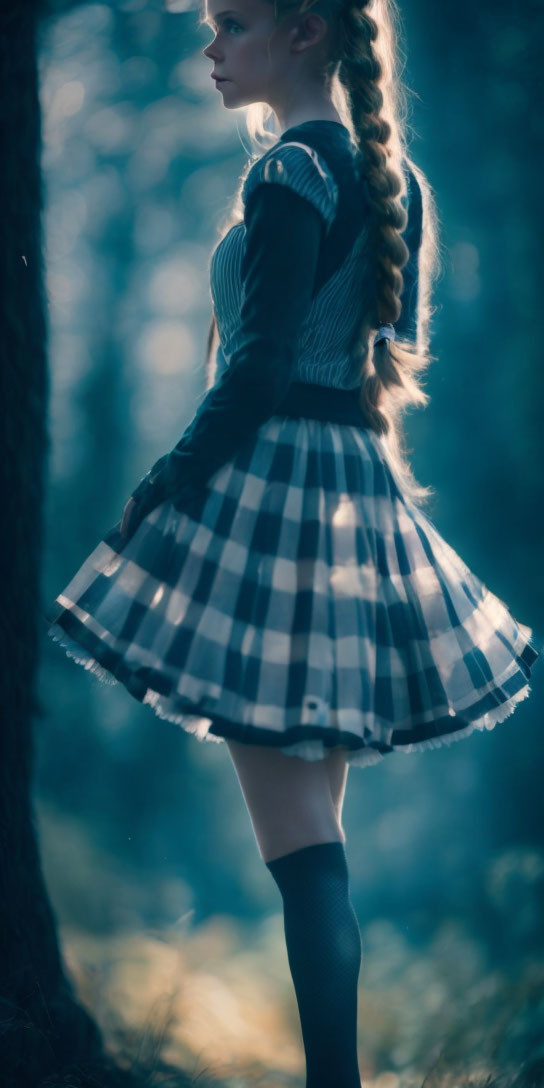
{"x":148,"y":849}
{"x":219,"y":1003}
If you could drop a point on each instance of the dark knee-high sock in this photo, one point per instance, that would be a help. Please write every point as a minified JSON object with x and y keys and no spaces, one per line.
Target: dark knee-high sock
{"x":324,"y":951}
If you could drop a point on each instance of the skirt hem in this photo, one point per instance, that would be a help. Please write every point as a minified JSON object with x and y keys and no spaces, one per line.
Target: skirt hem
{"x":209,"y":727}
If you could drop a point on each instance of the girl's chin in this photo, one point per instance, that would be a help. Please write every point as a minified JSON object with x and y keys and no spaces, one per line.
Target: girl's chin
{"x":234,"y":96}
{"x":231,"y":93}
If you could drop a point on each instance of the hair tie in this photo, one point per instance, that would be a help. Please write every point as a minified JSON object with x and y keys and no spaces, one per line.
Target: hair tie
{"x":385,"y":332}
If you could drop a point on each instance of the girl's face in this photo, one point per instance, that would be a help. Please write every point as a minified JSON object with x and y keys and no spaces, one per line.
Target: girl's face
{"x":249,"y":51}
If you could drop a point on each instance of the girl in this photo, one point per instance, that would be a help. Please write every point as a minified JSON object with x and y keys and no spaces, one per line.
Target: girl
{"x":274,"y":582}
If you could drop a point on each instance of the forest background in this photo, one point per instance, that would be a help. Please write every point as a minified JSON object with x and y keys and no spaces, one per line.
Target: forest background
{"x":149,"y":859}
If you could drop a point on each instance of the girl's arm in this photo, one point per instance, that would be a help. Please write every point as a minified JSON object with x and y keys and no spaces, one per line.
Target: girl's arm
{"x":283,"y":236}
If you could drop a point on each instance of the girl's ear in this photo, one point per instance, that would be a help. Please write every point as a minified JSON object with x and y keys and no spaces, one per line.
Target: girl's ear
{"x":308,"y":30}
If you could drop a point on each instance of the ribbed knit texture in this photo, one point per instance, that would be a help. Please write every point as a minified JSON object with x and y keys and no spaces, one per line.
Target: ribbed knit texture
{"x":324,"y":950}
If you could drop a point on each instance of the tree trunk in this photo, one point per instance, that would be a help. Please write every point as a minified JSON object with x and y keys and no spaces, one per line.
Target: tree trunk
{"x":43,"y":1029}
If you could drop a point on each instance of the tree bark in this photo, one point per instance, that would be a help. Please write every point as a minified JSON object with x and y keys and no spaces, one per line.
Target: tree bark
{"x":43,"y":1028}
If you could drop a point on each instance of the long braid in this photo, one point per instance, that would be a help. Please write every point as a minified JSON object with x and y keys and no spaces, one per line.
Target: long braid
{"x":364,"y":50}
{"x":361,"y":72}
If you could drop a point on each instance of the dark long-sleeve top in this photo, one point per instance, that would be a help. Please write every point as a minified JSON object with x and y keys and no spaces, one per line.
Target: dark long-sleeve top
{"x":302,"y":208}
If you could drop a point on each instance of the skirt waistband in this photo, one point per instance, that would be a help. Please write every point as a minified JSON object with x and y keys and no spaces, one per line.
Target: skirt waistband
{"x":325,"y":402}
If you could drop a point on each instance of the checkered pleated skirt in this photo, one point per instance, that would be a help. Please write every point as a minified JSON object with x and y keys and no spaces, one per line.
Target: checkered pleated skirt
{"x":307,"y":603}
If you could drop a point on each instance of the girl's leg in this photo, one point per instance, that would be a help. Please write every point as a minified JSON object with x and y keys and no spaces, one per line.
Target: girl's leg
{"x":337,"y":768}
{"x":296,"y":807}
{"x":291,"y":802}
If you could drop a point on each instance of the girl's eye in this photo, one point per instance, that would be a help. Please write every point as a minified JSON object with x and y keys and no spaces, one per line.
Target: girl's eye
{"x":226,"y":23}
{"x":232,"y":22}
